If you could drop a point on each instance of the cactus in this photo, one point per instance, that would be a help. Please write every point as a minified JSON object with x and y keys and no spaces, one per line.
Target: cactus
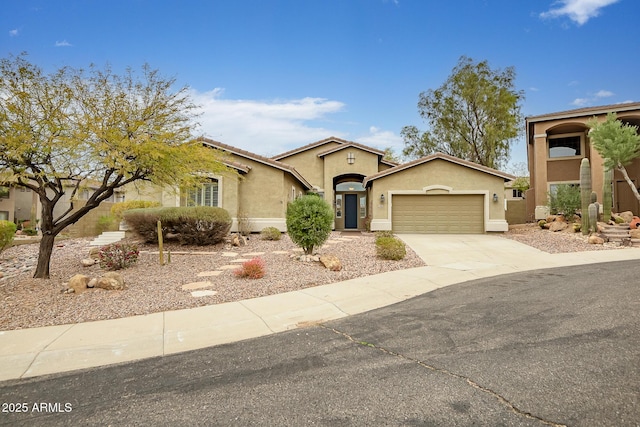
{"x":607,"y":198}
{"x":594,"y":197}
{"x":593,"y":217}
{"x":585,"y":193}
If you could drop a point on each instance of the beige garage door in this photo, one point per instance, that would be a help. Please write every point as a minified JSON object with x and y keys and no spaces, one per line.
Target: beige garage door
{"x":441,"y":214}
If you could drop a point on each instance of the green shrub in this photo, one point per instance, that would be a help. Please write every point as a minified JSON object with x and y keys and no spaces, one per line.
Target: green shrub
{"x":117,"y":256}
{"x":30,"y":231}
{"x":194,"y":225}
{"x":390,"y":248}
{"x":7,"y":231}
{"x":309,"y":221}
{"x":565,"y":200}
{"x":384,"y":233}
{"x":542,"y":223}
{"x":118,"y":208}
{"x":270,"y":233}
{"x":252,"y":269}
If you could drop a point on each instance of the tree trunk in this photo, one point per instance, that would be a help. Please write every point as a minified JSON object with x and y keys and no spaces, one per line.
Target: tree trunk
{"x":631,"y":184}
{"x":44,"y":256}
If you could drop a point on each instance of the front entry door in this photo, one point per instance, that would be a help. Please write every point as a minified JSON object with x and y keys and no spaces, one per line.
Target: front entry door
{"x":350,"y":211}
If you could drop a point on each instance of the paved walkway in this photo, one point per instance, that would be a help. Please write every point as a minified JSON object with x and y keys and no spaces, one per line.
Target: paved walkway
{"x":451,"y":259}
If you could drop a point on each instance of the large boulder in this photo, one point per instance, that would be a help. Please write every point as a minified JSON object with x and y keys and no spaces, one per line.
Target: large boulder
{"x":78,"y":283}
{"x":635,"y":234}
{"x":331,"y":262}
{"x":111,"y":281}
{"x":558,"y":226}
{"x":596,"y":240}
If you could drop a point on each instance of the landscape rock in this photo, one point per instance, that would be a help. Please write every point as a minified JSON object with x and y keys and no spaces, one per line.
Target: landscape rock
{"x":111,"y":281}
{"x":88,"y":262}
{"x":92,"y":283}
{"x":94,"y":253}
{"x":627,"y":216}
{"x":78,"y":283}
{"x":596,"y":240}
{"x":635,"y":234}
{"x":238,"y":240}
{"x":558,"y":225}
{"x":331,"y":262}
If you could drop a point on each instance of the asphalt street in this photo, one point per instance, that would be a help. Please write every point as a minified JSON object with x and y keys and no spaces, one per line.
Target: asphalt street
{"x":548,"y":347}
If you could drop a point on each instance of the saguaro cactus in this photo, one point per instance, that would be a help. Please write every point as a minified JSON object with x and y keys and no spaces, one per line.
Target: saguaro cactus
{"x":593,"y":217}
{"x":607,"y":198}
{"x":585,"y":193}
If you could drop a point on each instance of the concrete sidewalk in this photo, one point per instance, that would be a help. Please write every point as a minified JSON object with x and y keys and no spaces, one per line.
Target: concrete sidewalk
{"x":451,"y":259}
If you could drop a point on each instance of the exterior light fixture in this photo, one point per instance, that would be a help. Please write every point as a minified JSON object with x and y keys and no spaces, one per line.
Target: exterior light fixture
{"x":382,"y":198}
{"x":495,"y":197}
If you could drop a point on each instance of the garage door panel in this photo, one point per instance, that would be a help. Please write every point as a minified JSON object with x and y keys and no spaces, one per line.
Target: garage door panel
{"x":438,"y":214}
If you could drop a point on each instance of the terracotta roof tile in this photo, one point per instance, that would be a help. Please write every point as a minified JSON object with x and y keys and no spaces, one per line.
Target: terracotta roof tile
{"x":578,"y":112}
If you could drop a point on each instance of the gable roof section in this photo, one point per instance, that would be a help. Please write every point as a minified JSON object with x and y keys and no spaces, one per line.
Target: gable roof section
{"x":257,"y":158}
{"x":587,"y":111}
{"x":441,"y":156}
{"x":350,"y":144}
{"x":309,"y":146}
{"x":238,"y":166}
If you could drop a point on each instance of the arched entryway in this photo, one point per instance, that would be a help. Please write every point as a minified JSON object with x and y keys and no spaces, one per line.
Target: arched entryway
{"x":350,"y":202}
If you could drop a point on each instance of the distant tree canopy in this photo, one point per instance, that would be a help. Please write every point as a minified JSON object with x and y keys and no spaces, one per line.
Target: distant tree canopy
{"x":62,"y":131}
{"x":474,"y":115}
{"x":618,"y":144}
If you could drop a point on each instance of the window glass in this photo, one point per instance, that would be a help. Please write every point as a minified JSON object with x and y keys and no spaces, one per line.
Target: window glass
{"x":568,"y":146}
{"x":350,"y":186}
{"x":339,"y":206}
{"x":205,"y":195}
{"x":363,"y":207}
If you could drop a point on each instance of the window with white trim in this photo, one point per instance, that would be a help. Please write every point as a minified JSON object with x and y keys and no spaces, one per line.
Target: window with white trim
{"x":206,"y":194}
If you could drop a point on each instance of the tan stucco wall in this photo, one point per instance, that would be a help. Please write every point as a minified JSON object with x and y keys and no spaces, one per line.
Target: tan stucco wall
{"x":8,"y":205}
{"x":335,"y":164}
{"x":309,"y":165}
{"x":452,"y":179}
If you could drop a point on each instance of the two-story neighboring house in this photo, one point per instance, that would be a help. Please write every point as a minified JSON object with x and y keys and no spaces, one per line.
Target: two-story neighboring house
{"x":556,"y":144}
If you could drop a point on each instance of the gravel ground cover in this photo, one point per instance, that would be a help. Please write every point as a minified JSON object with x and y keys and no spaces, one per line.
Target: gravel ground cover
{"x":151,"y":288}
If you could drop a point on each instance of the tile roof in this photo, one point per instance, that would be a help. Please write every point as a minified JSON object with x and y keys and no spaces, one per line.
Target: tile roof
{"x":258,"y":158}
{"x":579,"y":112}
{"x":309,"y":146}
{"x":351,"y":144}
{"x":441,"y":156}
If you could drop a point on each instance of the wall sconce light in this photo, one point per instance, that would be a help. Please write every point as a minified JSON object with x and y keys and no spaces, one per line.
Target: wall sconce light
{"x":382,"y":198}
{"x":495,"y":197}
{"x":351,"y":158}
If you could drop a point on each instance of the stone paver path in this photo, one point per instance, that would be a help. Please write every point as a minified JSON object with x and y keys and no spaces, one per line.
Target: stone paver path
{"x":228,"y":267}
{"x":196,"y":285}
{"x":209,"y":273}
{"x":240,"y":260}
{"x":229,"y":254}
{"x":205,"y":293}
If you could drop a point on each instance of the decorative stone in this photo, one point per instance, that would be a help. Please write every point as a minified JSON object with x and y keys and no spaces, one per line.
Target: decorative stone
{"x":88,"y":262}
{"x":596,"y":240}
{"x":92,"y":283}
{"x":255,"y":253}
{"x":228,"y":267}
{"x":205,"y":293}
{"x":94,"y":252}
{"x":209,"y":273}
{"x":558,"y":226}
{"x":240,"y":260}
{"x":635,"y":234}
{"x":111,"y":281}
{"x":308,"y":258}
{"x":196,"y":285}
{"x":627,"y":216}
{"x":279,"y":252}
{"x":229,"y":254}
{"x":331,"y":262}
{"x":78,"y":283}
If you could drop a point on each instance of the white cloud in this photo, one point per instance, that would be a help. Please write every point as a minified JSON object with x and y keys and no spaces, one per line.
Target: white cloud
{"x":534,"y":89}
{"x":63,"y":43}
{"x":580,"y":102}
{"x":265,"y":127}
{"x":579,"y":11}
{"x":604,"y":94}
{"x":13,"y":33}
{"x":382,"y":139}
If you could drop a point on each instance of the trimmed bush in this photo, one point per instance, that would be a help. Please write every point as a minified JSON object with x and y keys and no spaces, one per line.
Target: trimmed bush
{"x":270,"y":233}
{"x":390,"y":248}
{"x":382,"y":234}
{"x":566,"y":200}
{"x":7,"y":231}
{"x":117,"y":256}
{"x":309,"y":221}
{"x":118,"y":208}
{"x":195,"y":225}
{"x":252,"y":269}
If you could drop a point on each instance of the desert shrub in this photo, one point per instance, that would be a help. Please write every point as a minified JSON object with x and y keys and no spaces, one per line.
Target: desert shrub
{"x":383,"y":234}
{"x":106,"y":223}
{"x":117,"y":256}
{"x":244,"y":223}
{"x":390,"y":248}
{"x":195,"y":225}
{"x":30,"y":231}
{"x":252,"y":269}
{"x":565,"y":200}
{"x":542,"y":223}
{"x":7,"y":231}
{"x":270,"y":233}
{"x":309,"y":221}
{"x":118,"y":208}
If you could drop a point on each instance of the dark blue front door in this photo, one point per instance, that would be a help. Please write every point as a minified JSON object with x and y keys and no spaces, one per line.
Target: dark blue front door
{"x":350,"y":211}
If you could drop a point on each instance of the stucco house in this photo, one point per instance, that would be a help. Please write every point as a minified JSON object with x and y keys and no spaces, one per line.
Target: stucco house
{"x":434,"y":194}
{"x":556,"y":144}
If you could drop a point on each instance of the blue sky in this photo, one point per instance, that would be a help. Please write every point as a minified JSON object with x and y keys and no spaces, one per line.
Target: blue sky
{"x":274,"y":75}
